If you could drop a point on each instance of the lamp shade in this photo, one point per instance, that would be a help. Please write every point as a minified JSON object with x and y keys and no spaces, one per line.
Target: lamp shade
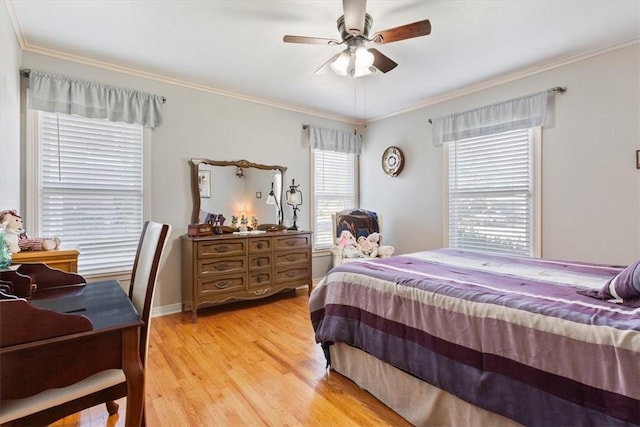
{"x":292,"y":198}
{"x":364,"y":58}
{"x":361,"y":72}
{"x":341,"y":64}
{"x":271,"y":200}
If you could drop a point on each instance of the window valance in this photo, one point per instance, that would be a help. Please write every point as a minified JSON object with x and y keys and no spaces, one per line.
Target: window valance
{"x":334,"y":140}
{"x":520,"y":113}
{"x":60,"y":94}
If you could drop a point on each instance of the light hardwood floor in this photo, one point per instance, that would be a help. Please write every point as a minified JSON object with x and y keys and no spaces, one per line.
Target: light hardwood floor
{"x":249,"y":364}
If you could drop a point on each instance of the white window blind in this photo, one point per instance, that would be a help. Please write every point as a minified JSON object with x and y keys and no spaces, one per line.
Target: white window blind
{"x":491,"y":193}
{"x":334,"y":190}
{"x":91,"y":188}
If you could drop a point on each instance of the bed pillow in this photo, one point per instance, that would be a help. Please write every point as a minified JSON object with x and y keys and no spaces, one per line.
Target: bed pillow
{"x":623,"y":288}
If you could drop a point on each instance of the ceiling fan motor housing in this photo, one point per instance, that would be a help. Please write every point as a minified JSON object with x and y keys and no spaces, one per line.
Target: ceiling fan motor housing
{"x":345,"y":33}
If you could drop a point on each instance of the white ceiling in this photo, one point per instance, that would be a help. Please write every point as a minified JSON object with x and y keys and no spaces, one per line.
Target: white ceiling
{"x":236,"y":47}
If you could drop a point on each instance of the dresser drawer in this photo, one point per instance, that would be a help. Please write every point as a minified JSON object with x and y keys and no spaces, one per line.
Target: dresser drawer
{"x":260,"y":262}
{"x":292,"y":242}
{"x":260,"y":244}
{"x":209,"y":266}
{"x":285,"y":259}
{"x":293,"y":273}
{"x":217,"y":285}
{"x":223,"y":248}
{"x":259,"y":279}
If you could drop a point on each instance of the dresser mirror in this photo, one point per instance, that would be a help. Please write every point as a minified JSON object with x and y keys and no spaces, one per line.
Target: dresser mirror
{"x":236,"y":188}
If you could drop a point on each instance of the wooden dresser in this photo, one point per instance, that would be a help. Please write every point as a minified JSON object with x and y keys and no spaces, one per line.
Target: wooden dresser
{"x":62,"y":259}
{"x":230,"y":267}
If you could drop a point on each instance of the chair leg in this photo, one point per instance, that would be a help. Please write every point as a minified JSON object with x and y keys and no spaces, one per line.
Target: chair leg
{"x":112,"y":407}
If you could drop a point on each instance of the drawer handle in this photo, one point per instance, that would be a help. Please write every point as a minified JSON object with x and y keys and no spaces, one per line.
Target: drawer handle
{"x":260,"y":245}
{"x":292,"y":258}
{"x":261,"y":262}
{"x":223,"y":248}
{"x":223,"y":266}
{"x":260,"y":279}
{"x":291,"y":242}
{"x":223,"y":285}
{"x":291,"y":274}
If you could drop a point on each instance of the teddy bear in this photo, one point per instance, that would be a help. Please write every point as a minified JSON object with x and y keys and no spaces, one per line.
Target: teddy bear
{"x":17,"y":238}
{"x":369,"y":245}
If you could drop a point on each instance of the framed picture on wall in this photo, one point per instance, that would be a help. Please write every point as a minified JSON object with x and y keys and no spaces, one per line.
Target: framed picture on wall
{"x":204,"y":183}
{"x":637,"y":159}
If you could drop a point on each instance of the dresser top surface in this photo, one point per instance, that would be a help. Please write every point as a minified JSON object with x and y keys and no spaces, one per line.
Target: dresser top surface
{"x":284,"y":233}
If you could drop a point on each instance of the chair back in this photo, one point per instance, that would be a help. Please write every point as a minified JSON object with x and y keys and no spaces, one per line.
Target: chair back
{"x":359,"y":222}
{"x":143,"y":277}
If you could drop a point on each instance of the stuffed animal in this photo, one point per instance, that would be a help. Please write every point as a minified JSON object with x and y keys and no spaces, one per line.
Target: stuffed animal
{"x":349,"y":245}
{"x":369,"y":245}
{"x":17,"y":238}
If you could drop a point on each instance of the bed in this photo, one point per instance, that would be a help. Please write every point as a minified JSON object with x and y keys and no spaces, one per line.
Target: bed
{"x":453,"y":337}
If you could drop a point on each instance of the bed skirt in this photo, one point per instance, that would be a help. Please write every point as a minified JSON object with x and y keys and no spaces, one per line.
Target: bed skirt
{"x":418,"y":402}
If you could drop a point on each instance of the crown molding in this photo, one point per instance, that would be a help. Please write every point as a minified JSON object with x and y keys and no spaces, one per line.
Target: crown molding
{"x":14,"y":21}
{"x":509,"y":77}
{"x":506,"y":78}
{"x":177,"y":82}
{"x":27,"y":47}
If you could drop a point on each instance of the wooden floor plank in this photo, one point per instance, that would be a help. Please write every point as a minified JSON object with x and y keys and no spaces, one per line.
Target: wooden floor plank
{"x":246,"y":364}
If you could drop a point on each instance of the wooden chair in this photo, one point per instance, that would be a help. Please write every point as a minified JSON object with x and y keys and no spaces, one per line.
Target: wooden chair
{"x":107,"y":386}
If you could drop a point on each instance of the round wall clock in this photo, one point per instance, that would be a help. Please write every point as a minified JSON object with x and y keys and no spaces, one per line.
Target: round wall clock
{"x":392,"y":161}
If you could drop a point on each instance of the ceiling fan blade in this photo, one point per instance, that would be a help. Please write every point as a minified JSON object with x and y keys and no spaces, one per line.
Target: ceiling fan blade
{"x":324,"y":68}
{"x":310,"y":40}
{"x":354,"y":16}
{"x":381,"y":61}
{"x":403,"y":32}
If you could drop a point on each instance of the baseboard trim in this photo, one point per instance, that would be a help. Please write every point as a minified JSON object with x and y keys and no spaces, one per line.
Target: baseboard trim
{"x":166,"y":310}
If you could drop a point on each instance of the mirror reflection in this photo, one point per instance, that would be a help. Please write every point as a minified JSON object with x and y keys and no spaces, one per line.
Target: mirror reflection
{"x":237,"y":188}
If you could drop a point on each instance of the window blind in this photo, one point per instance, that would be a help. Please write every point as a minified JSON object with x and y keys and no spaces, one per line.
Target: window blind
{"x":491,"y":193}
{"x":334,"y":190}
{"x":91,"y":188}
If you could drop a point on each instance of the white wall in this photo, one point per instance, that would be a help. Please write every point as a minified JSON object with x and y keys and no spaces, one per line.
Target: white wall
{"x":591,"y":199}
{"x":202,"y":124}
{"x":10,"y":58}
{"x":591,"y":187}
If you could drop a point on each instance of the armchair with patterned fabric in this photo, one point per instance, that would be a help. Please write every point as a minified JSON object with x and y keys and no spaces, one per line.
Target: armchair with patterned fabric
{"x":357,"y":234}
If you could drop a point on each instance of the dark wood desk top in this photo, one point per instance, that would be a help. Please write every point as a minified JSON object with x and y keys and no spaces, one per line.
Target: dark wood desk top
{"x":104,"y":303}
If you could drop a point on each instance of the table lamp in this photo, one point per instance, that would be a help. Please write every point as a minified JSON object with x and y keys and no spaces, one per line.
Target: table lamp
{"x":294,"y":199}
{"x":271,"y":200}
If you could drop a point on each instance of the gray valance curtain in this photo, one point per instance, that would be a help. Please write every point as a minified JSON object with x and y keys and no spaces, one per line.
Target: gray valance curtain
{"x":334,"y":140}
{"x":520,"y":113}
{"x":60,"y":94}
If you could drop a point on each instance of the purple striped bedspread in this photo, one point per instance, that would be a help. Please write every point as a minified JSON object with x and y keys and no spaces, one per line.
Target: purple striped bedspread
{"x":509,"y":334}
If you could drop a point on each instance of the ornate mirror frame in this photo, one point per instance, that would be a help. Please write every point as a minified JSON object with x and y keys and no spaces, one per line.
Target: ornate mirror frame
{"x":195,"y":188}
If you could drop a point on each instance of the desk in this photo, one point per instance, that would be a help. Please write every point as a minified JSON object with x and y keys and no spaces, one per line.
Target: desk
{"x":61,"y":360}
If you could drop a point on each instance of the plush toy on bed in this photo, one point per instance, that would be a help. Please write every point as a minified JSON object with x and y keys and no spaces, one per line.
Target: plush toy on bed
{"x":17,"y":238}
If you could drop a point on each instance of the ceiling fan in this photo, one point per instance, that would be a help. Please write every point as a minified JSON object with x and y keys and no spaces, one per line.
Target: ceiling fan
{"x":356,"y":60}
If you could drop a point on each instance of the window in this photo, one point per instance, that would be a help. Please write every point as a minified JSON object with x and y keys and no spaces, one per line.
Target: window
{"x":492,"y":201}
{"x":89,"y":179}
{"x":334,"y":189}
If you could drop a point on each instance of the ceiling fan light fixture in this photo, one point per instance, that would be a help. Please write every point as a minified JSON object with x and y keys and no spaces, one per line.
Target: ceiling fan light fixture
{"x":364,"y":58}
{"x":341,"y":65}
{"x":362,"y":72}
